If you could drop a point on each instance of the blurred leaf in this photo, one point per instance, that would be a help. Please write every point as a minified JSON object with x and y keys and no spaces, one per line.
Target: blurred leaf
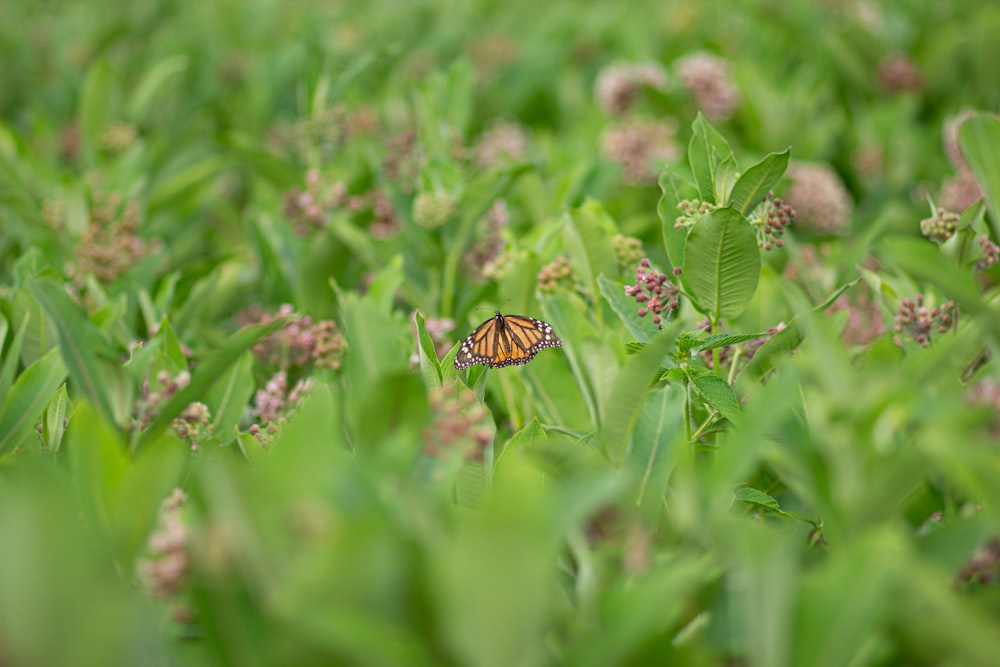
{"x":842,"y":604}
{"x":755,"y":497}
{"x":588,"y":241}
{"x":23,"y":404}
{"x":492,"y":581}
{"x":722,"y":263}
{"x":153,"y":85}
{"x":228,"y":398}
{"x":659,"y":426}
{"x":88,"y":354}
{"x":640,"y":610}
{"x":626,"y":399}
{"x":99,"y":461}
{"x":178,"y":185}
{"x":754,"y":184}
{"x":54,"y":420}
{"x":95,"y":108}
{"x":725,"y":340}
{"x":979,"y":138}
{"x":523,"y":439}
{"x":384,"y":287}
{"x":36,"y":332}
{"x":12,"y":359}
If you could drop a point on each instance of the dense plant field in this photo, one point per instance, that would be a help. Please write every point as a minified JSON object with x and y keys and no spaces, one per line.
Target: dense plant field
{"x":241,"y":244}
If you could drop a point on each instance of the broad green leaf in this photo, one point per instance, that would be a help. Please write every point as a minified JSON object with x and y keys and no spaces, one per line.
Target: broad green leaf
{"x":626,"y":309}
{"x":589,"y":230}
{"x":706,"y":151}
{"x":89,"y":356}
{"x":722,"y":264}
{"x":658,"y":428}
{"x":979,"y":137}
{"x":23,"y":405}
{"x":758,"y":180}
{"x":626,"y":398}
{"x":98,"y":460}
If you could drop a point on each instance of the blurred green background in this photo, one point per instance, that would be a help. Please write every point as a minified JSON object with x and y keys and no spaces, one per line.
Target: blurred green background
{"x":851,"y":519}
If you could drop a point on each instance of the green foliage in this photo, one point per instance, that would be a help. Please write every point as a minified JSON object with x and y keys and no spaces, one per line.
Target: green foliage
{"x":242,"y":242}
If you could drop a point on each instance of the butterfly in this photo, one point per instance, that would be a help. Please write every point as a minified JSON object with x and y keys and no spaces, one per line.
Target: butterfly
{"x":506,"y":340}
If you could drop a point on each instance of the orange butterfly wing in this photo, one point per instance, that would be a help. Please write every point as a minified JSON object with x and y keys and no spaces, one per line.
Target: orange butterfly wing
{"x":505,"y":341}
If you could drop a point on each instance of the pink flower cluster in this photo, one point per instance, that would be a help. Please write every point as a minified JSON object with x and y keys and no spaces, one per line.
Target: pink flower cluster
{"x":916,"y":321}
{"x":654,"y":293}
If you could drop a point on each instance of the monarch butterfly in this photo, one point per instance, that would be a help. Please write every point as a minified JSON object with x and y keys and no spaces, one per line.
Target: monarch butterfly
{"x":505,"y":341}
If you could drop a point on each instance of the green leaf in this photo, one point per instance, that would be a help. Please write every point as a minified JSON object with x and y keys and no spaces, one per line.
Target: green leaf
{"x":726,"y":174}
{"x":674,"y":190}
{"x":979,"y":138}
{"x":722,"y":264}
{"x":589,"y":230}
{"x":23,"y":405}
{"x":757,"y":181}
{"x":717,"y":394}
{"x":95,"y":108}
{"x":89,"y":356}
{"x":626,"y":308}
{"x":153,"y":87}
{"x":430,"y":367}
{"x":722,"y":340}
{"x":176,"y":187}
{"x":658,"y":428}
{"x":754,"y":497}
{"x":531,"y":433}
{"x":385,"y":286}
{"x":706,"y":152}
{"x":54,"y":420}
{"x":625,"y":400}
{"x":228,"y":398}
{"x":13,"y":357}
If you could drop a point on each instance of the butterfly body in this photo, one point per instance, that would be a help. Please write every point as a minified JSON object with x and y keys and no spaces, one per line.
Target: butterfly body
{"x":505,"y":340}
